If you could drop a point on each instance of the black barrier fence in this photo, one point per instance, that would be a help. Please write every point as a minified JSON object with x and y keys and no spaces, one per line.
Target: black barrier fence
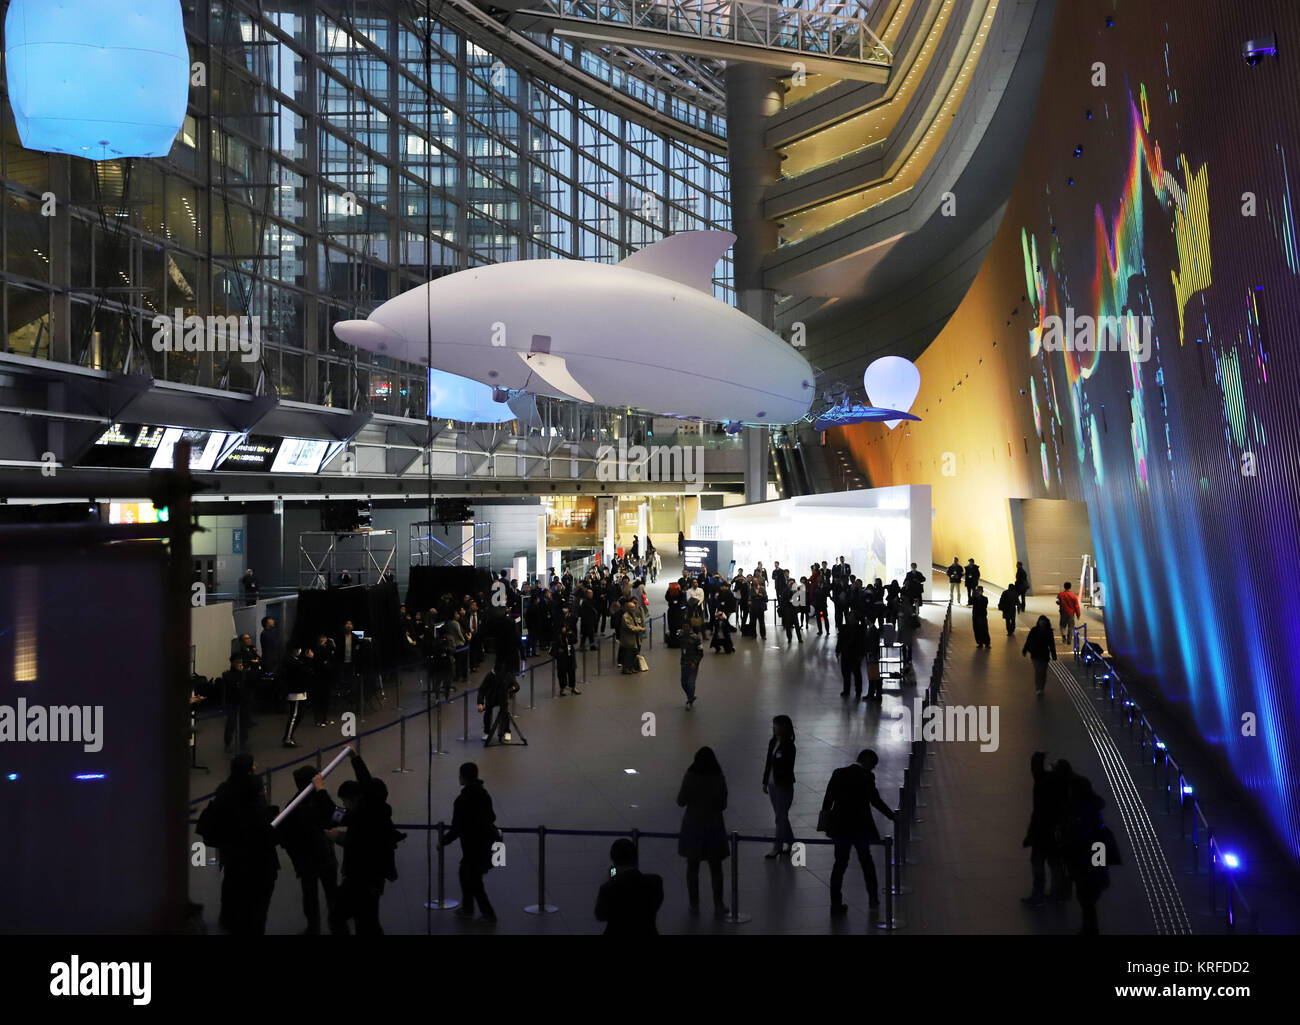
{"x":1220,"y":865}
{"x":897,"y":848}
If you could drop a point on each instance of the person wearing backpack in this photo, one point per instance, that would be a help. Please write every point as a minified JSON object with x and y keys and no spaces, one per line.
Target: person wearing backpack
{"x":1089,"y":849}
{"x":237,"y":821}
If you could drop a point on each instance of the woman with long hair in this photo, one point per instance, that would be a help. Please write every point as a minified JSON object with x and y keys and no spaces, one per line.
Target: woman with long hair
{"x":778,"y":782}
{"x":703,"y":835}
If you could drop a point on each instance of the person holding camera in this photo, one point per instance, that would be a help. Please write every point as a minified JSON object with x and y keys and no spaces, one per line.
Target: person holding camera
{"x":629,"y":900}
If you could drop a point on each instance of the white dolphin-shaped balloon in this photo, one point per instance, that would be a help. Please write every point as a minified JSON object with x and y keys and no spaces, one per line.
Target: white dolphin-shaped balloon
{"x":646,"y":333}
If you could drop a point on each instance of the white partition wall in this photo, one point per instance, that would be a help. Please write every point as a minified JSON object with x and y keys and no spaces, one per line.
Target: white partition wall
{"x":880,"y":531}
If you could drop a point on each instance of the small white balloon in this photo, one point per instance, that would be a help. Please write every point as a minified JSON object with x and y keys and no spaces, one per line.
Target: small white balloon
{"x":892,"y":382}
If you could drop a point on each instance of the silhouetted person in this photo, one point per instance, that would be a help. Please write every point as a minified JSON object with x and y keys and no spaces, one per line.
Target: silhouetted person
{"x":237,"y":822}
{"x":494,"y":702}
{"x":302,"y":834}
{"x":1043,"y":837}
{"x":979,"y":618}
{"x":629,"y":899}
{"x":1040,"y":646}
{"x":249,"y":587}
{"x":272,"y":646}
{"x":972,"y":574}
{"x":703,"y":834}
{"x":846,"y":819}
{"x":473,"y":823}
{"x":1007,"y":605}
{"x":369,"y":841}
{"x":692,"y":654}
{"x":1022,"y":585}
{"x":1088,"y":849}
{"x":778,"y":782}
{"x":850,"y":646}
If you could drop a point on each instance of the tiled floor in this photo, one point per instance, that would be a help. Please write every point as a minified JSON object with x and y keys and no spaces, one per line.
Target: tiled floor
{"x":969,"y":869}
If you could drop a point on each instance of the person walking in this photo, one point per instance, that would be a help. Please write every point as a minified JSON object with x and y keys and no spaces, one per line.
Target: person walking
{"x":979,"y":617}
{"x":1070,"y":611}
{"x":1022,"y":585}
{"x":1040,"y":646}
{"x":1089,"y":849}
{"x":629,"y":899}
{"x":237,"y":821}
{"x":846,"y":819}
{"x":703,"y":833}
{"x":473,"y":823}
{"x":1007,"y":605}
{"x":692,"y":654}
{"x":778,"y":783}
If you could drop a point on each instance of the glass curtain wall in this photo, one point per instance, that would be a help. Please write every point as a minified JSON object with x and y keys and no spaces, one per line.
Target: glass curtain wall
{"x":334,"y":155}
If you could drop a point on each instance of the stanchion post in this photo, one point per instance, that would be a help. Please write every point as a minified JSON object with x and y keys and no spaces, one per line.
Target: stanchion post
{"x":401,"y":745}
{"x":438,"y":744}
{"x":465,"y":714}
{"x":889,"y":921}
{"x":541,"y":907}
{"x":441,"y":903}
{"x":531,"y":680}
{"x":734,"y":916}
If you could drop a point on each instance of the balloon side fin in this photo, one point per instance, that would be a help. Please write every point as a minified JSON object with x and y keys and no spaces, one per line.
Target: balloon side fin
{"x":687,"y":257}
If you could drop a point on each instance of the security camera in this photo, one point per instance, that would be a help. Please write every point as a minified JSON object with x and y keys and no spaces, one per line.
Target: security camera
{"x":1255,"y":50}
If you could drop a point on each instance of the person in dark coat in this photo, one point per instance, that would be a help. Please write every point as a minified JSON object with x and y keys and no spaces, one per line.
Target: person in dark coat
{"x":778,"y":783}
{"x":589,"y":617}
{"x":979,"y":617}
{"x":272,"y":646}
{"x":1084,"y":832}
{"x":1022,"y":585}
{"x":972,"y":574}
{"x":629,"y":899}
{"x":846,"y":819}
{"x":692,"y":646}
{"x":564,"y":650}
{"x":722,"y":643}
{"x":369,"y":841}
{"x":238,"y":823}
{"x":296,"y":679}
{"x":1007,"y":605}
{"x":703,"y":834}
{"x":955,"y":577}
{"x":1046,"y":823}
{"x":494,"y":702}
{"x":1040,"y":646}
{"x":302,"y":835}
{"x":850,"y":646}
{"x":473,"y":823}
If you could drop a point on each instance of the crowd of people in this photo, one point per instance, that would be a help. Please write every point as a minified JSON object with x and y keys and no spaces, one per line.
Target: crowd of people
{"x":563,"y":615}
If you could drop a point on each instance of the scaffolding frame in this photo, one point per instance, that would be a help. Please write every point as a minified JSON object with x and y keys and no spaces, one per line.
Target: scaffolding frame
{"x":324,"y":556}
{"x":427,"y":549}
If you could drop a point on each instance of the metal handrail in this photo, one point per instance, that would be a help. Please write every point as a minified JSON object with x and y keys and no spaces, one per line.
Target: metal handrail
{"x":743,"y":22}
{"x":1104,"y":671}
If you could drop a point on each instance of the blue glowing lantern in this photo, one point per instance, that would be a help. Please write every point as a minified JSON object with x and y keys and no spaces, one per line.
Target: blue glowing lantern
{"x":99,"y":79}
